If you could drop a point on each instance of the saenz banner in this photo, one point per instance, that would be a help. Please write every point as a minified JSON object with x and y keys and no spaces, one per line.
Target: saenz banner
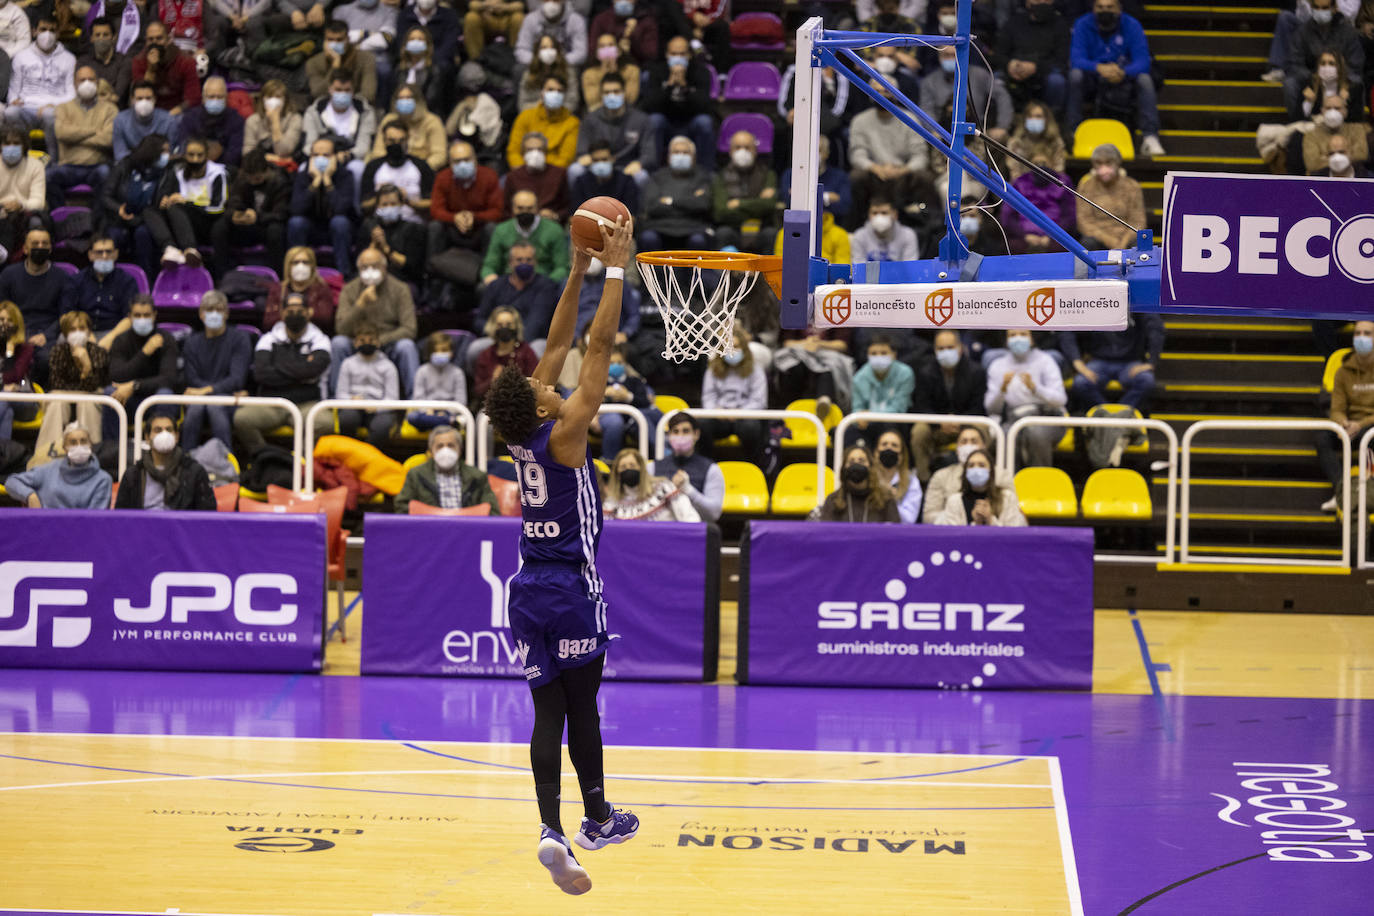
{"x":1074,"y":305}
{"x":1256,"y":244}
{"x":916,"y":606}
{"x":435,"y":590}
{"x":183,"y":591}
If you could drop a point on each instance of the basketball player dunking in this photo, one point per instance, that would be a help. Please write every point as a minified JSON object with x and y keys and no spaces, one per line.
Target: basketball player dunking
{"x":557,"y":614}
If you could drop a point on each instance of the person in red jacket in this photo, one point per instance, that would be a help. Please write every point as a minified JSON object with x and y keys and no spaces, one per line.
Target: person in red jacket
{"x":185,"y":20}
{"x":464,"y":204}
{"x":172,"y":72}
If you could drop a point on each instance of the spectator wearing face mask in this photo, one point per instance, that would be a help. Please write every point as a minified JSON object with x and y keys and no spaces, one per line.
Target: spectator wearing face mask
{"x":1109,"y":59}
{"x":190,"y":206}
{"x":882,"y":238}
{"x":341,"y":57}
{"x":141,"y":120}
{"x":213,"y":119}
{"x":734,"y":381}
{"x":398,"y":169}
{"x":633,"y":28}
{"x":103,"y":57}
{"x":1127,"y":356}
{"x":1338,"y":161}
{"x":1054,"y":200}
{"x":300,"y":275}
{"x":101,"y":290}
{"x":41,"y":80}
{"x":950,"y":478}
{"x":400,"y":240}
{"x":23,"y":187}
{"x":508,"y":348}
{"x":696,"y":474}
{"x":444,"y":481}
{"x":610,"y":61}
{"x":171,"y":72}
{"x":894,"y":468}
{"x":882,"y":385}
{"x":948,"y":382}
{"x":524,"y":289}
{"x":380,"y":299}
{"x":79,"y":363}
{"x":549,"y":239}
{"x":744,"y":190}
{"x":143,"y":360}
{"x":677,"y":202}
{"x":438,"y":379}
{"x":552,"y":119}
{"x":988,"y":101}
{"x":548,"y":61}
{"x":442,"y":24}
{"x":549,"y":183}
{"x":1032,"y":54}
{"x":1328,"y":29}
{"x":888,"y":160}
{"x":1026,"y":382}
{"x":464,"y":204}
{"x":323,"y":207}
{"x":1331,"y":122}
{"x":980,"y":499}
{"x":556,"y":18}
{"x":632,"y":493}
{"x":346,"y":120}
{"x":275,"y":126}
{"x":367,"y":375}
{"x":75,"y":482}
{"x":603,"y":178}
{"x":424,"y":138}
{"x":1108,"y":186}
{"x":1037,"y":134}
{"x":214,"y":360}
{"x":623,"y":130}
{"x":861,"y":496}
{"x":84,"y":127}
{"x":16,"y":359}
{"x":1352,"y":406}
{"x":678,"y":95}
{"x":43,"y":294}
{"x":165,"y":476}
{"x":1330,"y":78}
{"x":290,"y":361}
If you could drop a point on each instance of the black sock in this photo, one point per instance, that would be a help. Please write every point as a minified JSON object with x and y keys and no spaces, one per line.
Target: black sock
{"x":594,"y":803}
{"x":547,"y":795}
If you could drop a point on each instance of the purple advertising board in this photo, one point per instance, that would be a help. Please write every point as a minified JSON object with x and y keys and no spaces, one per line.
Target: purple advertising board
{"x":916,"y":606}
{"x":180,"y":591}
{"x":435,"y":591}
{"x":1268,"y":244}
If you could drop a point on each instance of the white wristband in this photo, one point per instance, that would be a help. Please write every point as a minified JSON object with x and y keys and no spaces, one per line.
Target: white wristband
{"x":615,"y":273}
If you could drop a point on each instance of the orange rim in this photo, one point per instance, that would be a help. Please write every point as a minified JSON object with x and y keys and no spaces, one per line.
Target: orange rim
{"x":767,"y":264}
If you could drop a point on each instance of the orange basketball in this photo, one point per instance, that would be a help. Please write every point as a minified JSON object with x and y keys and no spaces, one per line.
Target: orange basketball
{"x":586,"y":222}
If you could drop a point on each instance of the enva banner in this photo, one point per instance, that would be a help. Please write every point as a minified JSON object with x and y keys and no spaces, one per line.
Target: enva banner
{"x":1299,"y":246}
{"x":179,"y":591}
{"x":435,"y":591}
{"x":916,"y":606}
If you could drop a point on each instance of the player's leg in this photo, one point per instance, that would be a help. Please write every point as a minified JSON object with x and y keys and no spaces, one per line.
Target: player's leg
{"x":603,"y":824}
{"x":546,"y":758}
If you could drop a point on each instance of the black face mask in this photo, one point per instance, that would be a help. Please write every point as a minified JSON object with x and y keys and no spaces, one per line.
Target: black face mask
{"x":367,"y":349}
{"x":505,"y":335}
{"x":856,"y":474}
{"x":524,"y":220}
{"x":1107,"y":22}
{"x":888,"y":457}
{"x":395,"y":153}
{"x":295,"y":322}
{"x":629,"y":478}
{"x":195,"y":169}
{"x":40,"y":256}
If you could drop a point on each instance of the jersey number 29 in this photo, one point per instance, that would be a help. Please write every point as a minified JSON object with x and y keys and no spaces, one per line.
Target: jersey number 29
{"x":534,"y":491}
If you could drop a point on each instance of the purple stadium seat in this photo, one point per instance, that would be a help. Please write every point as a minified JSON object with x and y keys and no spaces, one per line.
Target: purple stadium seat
{"x":81,"y":189}
{"x":715,"y":80}
{"x":66,"y":267}
{"x":133,"y":270}
{"x":752,"y":81}
{"x":58,"y":214}
{"x":327,"y":272}
{"x":177,"y":329}
{"x":261,"y":271}
{"x":758,"y":17}
{"x":181,"y":287}
{"x":761,"y":126}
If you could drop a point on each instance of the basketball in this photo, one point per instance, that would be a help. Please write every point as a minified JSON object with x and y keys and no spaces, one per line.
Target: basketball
{"x":586,"y":222}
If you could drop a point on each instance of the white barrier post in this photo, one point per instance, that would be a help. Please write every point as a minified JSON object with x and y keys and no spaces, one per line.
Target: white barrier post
{"x":226,"y":400}
{"x":1359,"y":518}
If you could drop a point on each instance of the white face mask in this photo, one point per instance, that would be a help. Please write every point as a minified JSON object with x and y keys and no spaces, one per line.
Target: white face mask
{"x":552,"y":10}
{"x":963,"y":451}
{"x":76,"y":339}
{"x":164,"y":441}
{"x":300,"y":272}
{"x":214,"y":321}
{"x":445,"y":458}
{"x":46,"y":41}
{"x":1327,"y":72}
{"x":86,"y":89}
{"x":885,"y":65}
{"x":1334,"y":118}
{"x":534,"y":159}
{"x":272,"y":103}
{"x":370,"y":276}
{"x":881,"y":223}
{"x":78,"y":455}
{"x":548,"y":55}
{"x":1338,"y":162}
{"x":742,"y":158}
{"x":143,"y":108}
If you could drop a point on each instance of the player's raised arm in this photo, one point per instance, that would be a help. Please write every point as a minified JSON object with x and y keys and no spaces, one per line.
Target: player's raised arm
{"x":583,"y":403}
{"x":560,"y":337}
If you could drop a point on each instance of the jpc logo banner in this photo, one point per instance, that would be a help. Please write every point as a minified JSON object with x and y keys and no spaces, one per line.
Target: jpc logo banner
{"x":185,"y":591}
{"x":1303,"y":247}
{"x":916,"y":606}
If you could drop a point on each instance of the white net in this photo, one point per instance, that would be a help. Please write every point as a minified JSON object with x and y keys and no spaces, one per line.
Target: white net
{"x":697,"y":294}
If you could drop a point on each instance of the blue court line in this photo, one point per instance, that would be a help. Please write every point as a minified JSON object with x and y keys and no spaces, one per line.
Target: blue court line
{"x":281,"y":695}
{"x":524,"y":800}
{"x":1151,"y":669}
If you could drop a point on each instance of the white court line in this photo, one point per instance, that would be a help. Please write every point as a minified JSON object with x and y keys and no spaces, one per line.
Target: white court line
{"x":1061,"y":815}
{"x":747,"y":781}
{"x":525,"y":744}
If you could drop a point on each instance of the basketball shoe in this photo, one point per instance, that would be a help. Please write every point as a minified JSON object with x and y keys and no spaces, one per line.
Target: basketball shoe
{"x":556,"y":855}
{"x":619,"y":827}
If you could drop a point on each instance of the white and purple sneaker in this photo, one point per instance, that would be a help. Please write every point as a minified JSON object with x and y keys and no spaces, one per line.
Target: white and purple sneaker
{"x":621,"y":826}
{"x":556,"y":855}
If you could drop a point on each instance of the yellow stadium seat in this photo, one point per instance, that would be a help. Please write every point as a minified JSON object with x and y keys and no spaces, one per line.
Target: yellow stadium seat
{"x":413,"y":433}
{"x":669,"y":403}
{"x":1333,"y":362}
{"x":794,"y":492}
{"x":37,"y":420}
{"x":1045,"y":493}
{"x":1094,"y":132}
{"x":746,"y":490}
{"x":602,"y":467}
{"x":804,"y":432}
{"x":1117,"y":494}
{"x":414,"y":461}
{"x":1067,"y":442}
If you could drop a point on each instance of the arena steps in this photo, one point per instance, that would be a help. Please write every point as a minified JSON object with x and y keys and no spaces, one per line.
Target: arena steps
{"x":1257,"y":369}
{"x":1225,"y":495}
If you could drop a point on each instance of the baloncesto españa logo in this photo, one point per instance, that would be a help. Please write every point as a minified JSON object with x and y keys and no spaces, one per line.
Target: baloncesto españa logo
{"x":940,"y":306}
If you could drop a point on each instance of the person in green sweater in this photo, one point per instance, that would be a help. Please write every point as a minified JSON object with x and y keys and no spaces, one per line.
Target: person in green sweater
{"x":883,"y":385}
{"x":745,"y":189}
{"x":549,"y":239}
{"x":444,"y":481}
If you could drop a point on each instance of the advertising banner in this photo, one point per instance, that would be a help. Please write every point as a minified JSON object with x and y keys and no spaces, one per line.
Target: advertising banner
{"x":916,"y":606}
{"x":1033,"y":305}
{"x":435,"y":592}
{"x":180,"y":591}
{"x":1280,"y":244}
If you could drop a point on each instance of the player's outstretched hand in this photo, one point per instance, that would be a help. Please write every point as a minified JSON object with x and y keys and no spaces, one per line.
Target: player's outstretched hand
{"x":617,"y":242}
{"x":581,"y":260}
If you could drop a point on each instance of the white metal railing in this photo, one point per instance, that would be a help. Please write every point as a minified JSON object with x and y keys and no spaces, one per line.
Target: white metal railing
{"x":227,"y":400}
{"x":464,"y":420}
{"x":1314,"y":424}
{"x":641,"y":423}
{"x":1358,"y":518}
{"x":993,"y":427}
{"x":660,"y":434}
{"x":1171,"y":496}
{"x":80,"y":397}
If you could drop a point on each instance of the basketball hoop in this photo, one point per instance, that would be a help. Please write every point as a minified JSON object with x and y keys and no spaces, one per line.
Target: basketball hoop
{"x":697,"y":293}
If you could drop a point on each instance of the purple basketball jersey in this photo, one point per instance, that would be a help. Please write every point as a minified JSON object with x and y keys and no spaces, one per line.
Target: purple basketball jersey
{"x":561,"y":506}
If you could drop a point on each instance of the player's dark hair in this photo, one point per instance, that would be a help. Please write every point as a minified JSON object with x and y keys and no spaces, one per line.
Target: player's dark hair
{"x":511,"y":406}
